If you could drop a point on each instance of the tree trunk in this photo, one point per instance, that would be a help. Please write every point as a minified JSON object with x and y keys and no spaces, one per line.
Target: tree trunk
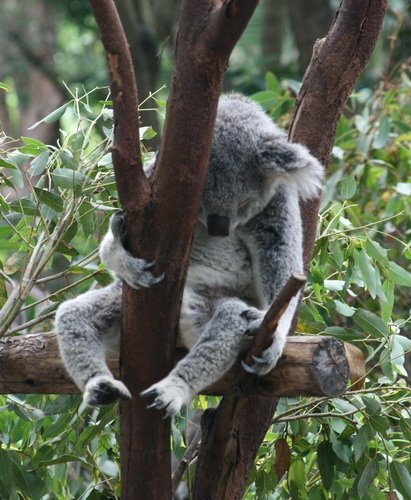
{"x":330,"y":78}
{"x":310,"y":20}
{"x":161,"y":221}
{"x":144,"y":47}
{"x":274,"y":21}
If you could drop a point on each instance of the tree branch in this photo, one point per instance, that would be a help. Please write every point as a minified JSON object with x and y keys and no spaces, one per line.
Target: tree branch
{"x":230,"y":441}
{"x":160,"y":224}
{"x":310,"y":366}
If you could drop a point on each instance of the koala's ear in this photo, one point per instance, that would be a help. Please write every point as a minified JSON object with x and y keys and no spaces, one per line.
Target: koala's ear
{"x":276,"y":155}
{"x":293,"y":162}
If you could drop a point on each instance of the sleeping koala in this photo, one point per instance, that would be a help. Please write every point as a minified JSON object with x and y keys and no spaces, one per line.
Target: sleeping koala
{"x":247,"y":243}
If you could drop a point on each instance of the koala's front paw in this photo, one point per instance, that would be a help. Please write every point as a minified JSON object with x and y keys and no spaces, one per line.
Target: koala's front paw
{"x":103,"y":390}
{"x":171,"y":393}
{"x":137,"y":273}
{"x":118,"y":226}
{"x":254,"y":317}
{"x":134,"y":271}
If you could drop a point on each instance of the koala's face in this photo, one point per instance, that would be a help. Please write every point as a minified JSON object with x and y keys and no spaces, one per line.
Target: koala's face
{"x":237,"y":185}
{"x":233,"y":194}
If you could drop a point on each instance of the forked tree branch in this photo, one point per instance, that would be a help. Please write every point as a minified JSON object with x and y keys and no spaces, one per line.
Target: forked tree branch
{"x":160,"y":223}
{"x":233,"y":433}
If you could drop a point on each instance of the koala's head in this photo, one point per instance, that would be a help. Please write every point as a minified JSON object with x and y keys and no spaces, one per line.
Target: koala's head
{"x":239,"y":182}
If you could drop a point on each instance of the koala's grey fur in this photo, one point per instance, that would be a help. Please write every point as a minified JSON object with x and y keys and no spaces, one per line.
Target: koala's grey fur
{"x":250,"y":207}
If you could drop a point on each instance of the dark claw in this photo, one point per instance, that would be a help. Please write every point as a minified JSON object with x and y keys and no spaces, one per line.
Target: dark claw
{"x":158,"y":279}
{"x":104,"y":395}
{"x":148,"y":393}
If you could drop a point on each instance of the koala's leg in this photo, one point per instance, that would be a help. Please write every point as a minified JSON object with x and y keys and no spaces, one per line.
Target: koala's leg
{"x":84,"y":326}
{"x":220,"y":343}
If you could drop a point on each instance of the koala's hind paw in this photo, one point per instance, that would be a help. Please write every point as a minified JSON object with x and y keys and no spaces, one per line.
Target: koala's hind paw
{"x":171,"y":393}
{"x":261,"y":365}
{"x":103,"y":390}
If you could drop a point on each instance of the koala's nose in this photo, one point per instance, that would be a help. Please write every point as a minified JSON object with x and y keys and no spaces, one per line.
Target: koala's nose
{"x":218,"y":225}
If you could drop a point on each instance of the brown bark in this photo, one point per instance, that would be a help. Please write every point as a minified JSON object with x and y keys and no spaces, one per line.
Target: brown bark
{"x":330,"y":78}
{"x":144,"y":49}
{"x":160,"y":225}
{"x":310,"y":366}
{"x":309,"y":21}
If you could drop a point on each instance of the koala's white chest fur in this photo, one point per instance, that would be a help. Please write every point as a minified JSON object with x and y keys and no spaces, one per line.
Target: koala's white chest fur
{"x":219,"y":267}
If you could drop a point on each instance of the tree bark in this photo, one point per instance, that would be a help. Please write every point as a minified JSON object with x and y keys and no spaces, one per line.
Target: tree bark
{"x":309,"y":20}
{"x":144,"y":50}
{"x":160,"y":221}
{"x":310,"y":366}
{"x":330,"y":78}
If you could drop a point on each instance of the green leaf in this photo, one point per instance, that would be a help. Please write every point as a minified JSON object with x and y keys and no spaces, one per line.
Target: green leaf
{"x":401,"y":478}
{"x":343,"y":308}
{"x":38,"y":165}
{"x":63,"y":459}
{"x":370,"y":323}
{"x":379,"y":423}
{"x":380,"y":140}
{"x":7,"y":164}
{"x":296,"y":473}
{"x":399,"y":275}
{"x":326,"y":460}
{"x":50,"y":199}
{"x":266,"y":98}
{"x":375,"y":250}
{"x":372,"y":404}
{"x":52,"y":117}
{"x":147,"y":133}
{"x":348,"y":187}
{"x":360,"y":441}
{"x":368,"y":475}
{"x":34,"y":143}
{"x":405,"y":342}
{"x":387,"y":306}
{"x":24,"y":206}
{"x":367,"y":271}
{"x":272,"y":83}
{"x":66,"y":178}
{"x":5,"y":87}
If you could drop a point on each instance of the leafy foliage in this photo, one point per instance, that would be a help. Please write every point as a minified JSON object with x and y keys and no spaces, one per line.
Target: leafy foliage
{"x":353,"y":446}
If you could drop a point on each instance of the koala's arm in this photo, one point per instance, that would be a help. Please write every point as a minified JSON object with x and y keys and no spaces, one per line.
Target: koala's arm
{"x":274,"y":241}
{"x":134,"y":271}
{"x":85,"y":327}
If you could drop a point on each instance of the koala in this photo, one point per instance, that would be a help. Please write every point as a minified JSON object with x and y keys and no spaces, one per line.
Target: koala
{"x":247,"y":242}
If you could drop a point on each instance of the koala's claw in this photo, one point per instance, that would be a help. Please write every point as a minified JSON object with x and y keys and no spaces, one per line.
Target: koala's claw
{"x":254,"y":318}
{"x":170,"y":393}
{"x":103,"y":390}
{"x":261,"y":365}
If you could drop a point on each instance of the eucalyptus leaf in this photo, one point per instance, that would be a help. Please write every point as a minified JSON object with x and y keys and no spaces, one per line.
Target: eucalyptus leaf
{"x":52,"y":117}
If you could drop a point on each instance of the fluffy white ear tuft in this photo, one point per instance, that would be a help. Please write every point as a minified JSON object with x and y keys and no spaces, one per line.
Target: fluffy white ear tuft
{"x":293,"y":163}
